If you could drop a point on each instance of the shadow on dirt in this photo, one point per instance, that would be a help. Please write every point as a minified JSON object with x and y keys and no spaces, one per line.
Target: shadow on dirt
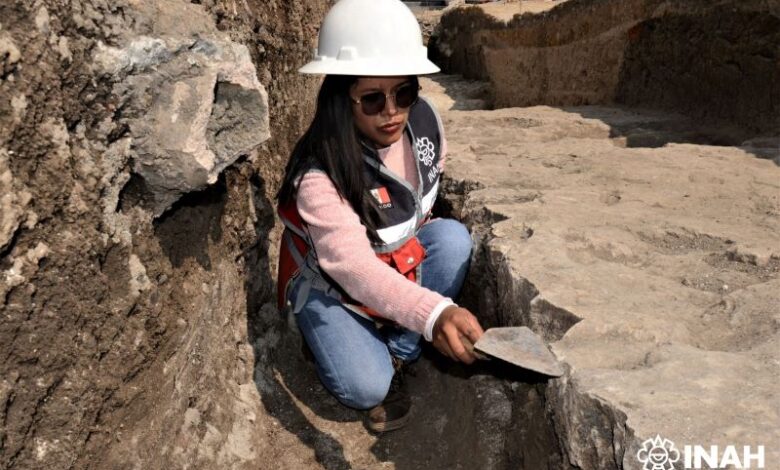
{"x":285,"y":382}
{"x":488,"y":415}
{"x":633,"y":128}
{"x":185,"y":229}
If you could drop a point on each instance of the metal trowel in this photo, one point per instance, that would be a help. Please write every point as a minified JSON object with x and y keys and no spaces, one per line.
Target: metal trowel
{"x":517,"y":345}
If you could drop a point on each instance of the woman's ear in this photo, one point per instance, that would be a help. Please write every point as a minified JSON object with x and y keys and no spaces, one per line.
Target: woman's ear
{"x":351,"y":94}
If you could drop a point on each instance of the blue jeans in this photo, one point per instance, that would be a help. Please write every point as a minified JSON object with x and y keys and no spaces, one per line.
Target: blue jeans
{"x":352,"y":354}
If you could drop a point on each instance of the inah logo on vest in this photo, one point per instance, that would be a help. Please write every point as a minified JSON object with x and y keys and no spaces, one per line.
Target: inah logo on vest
{"x":434,"y":172}
{"x":425,"y":150}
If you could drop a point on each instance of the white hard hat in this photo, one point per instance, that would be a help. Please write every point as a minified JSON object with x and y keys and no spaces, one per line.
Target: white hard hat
{"x":370,"y":38}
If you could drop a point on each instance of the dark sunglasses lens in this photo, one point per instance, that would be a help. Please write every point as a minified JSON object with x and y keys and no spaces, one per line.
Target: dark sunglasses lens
{"x":373,"y":103}
{"x":406,"y":96}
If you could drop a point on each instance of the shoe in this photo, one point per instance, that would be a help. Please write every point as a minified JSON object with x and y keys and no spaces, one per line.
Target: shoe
{"x":393,"y":413}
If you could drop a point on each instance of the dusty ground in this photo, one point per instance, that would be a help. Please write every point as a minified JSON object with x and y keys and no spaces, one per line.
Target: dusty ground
{"x":505,"y":11}
{"x":716,"y":61}
{"x":502,"y":10}
{"x":135,"y":341}
{"x":646,"y":288}
{"x":653,"y":264}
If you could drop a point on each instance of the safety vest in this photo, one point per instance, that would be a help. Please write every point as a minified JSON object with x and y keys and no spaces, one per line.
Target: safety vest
{"x":404,"y":211}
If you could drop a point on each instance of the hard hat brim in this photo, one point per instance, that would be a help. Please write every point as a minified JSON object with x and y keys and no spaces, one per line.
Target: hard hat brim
{"x":370,"y":67}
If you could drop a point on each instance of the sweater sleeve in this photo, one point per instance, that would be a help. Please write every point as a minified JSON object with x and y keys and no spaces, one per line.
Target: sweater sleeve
{"x":345,"y":254}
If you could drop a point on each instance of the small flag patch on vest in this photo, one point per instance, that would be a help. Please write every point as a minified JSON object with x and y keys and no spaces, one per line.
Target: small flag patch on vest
{"x":382,"y":197}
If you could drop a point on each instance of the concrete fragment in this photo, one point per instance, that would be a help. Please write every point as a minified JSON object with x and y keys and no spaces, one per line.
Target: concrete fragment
{"x":195,"y":106}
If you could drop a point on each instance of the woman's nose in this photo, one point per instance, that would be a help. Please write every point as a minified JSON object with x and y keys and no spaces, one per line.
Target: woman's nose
{"x":390,"y":108}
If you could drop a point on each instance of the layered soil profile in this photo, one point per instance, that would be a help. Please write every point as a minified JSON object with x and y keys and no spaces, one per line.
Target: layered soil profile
{"x":141,"y":143}
{"x":712,"y":60}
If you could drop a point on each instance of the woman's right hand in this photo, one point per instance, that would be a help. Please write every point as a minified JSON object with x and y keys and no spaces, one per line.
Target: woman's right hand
{"x":453,"y":324}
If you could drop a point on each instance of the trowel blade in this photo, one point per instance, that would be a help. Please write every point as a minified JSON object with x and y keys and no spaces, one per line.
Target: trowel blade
{"x":520,"y":346}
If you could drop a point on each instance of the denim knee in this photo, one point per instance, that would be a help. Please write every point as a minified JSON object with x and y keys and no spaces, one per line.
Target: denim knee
{"x":459,"y":240}
{"x":365,"y":391}
{"x":455,"y":241}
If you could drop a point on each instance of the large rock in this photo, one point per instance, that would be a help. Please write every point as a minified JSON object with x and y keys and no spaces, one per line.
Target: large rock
{"x":193,"y":104}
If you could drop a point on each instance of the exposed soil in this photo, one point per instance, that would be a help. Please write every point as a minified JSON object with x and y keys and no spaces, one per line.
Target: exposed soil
{"x":125,"y":338}
{"x":703,"y":59}
{"x":639,"y":259}
{"x":137,"y":339}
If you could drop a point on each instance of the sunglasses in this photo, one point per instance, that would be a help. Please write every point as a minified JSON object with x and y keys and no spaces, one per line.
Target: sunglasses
{"x":373,"y":103}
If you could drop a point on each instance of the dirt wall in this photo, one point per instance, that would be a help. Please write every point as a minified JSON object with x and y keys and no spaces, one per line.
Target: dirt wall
{"x":127,"y":304}
{"x":713,"y":60}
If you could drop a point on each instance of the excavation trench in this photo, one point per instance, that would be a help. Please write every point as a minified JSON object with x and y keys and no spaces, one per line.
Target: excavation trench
{"x":491,"y":414}
{"x":138,"y":329}
{"x":709,"y":60}
{"x":583,"y":198}
{"x":488,"y":415}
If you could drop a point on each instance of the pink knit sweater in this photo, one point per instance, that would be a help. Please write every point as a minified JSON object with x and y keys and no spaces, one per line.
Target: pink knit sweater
{"x":344,"y":251}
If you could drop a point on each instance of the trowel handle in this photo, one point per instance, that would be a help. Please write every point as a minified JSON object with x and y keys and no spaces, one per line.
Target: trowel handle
{"x":470,"y":348}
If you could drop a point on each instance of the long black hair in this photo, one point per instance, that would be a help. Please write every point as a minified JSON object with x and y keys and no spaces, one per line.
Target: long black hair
{"x":332,"y":144}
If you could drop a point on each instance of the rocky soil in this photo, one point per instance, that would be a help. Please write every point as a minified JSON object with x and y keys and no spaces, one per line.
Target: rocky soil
{"x":136,"y":174}
{"x":716,"y":60}
{"x":651,"y":264}
{"x":141,"y":144}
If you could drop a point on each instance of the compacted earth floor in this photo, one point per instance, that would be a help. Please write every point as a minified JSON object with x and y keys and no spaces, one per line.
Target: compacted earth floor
{"x":648,"y":258}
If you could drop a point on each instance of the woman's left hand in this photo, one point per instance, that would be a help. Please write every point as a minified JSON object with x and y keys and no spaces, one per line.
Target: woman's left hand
{"x":454,"y":324}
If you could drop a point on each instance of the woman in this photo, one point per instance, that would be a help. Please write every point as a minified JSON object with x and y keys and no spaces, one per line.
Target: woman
{"x":363,"y":268}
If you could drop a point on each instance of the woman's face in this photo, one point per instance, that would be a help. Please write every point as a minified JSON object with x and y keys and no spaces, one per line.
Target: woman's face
{"x":387,"y":126}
